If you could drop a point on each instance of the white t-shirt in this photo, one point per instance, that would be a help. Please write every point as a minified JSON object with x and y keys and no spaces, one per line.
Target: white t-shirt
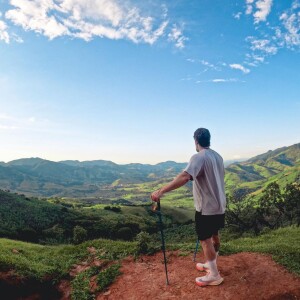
{"x":207,"y":169}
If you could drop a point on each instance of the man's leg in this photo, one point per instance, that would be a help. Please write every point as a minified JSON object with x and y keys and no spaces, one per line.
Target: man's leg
{"x":216,"y":241}
{"x":210,"y":255}
{"x":212,"y":277}
{"x":216,"y":244}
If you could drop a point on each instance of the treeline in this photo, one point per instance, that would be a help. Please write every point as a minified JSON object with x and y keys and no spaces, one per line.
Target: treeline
{"x":275,"y":208}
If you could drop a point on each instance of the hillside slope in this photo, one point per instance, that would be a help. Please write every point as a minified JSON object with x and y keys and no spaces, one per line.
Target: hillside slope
{"x":281,"y":165}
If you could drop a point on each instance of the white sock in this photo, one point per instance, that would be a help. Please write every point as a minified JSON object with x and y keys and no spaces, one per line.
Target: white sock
{"x":212,"y":265}
{"x":205,"y":265}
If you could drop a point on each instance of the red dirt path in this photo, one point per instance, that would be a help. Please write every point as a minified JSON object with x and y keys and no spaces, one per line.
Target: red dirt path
{"x":246,"y":276}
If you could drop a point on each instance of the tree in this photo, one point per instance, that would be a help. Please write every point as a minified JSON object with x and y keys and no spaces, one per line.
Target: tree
{"x":292,"y":203}
{"x":79,"y":234}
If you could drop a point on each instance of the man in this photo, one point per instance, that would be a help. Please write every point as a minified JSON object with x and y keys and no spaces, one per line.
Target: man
{"x":206,"y":170}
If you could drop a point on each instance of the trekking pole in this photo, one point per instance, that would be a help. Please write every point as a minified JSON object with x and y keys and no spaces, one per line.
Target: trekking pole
{"x":196,"y":249}
{"x":160,"y":225}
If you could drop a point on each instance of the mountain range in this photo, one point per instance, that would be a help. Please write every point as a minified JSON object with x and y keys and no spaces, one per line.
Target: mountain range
{"x":72,"y":178}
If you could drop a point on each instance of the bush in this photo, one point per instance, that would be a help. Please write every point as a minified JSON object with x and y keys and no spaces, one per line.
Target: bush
{"x":79,"y":234}
{"x":125,"y":233}
{"x":143,"y":239}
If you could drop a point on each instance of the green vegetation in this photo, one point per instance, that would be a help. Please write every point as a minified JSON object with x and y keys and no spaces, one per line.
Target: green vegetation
{"x":55,"y":222}
{"x":253,"y":176}
{"x":54,"y":262}
{"x":107,"y":276}
{"x":262,"y":216}
{"x":81,"y":285}
{"x":275,"y":208}
{"x":283,"y":244}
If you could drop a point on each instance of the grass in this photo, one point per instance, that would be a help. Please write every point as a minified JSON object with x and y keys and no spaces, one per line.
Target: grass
{"x":107,"y":276}
{"x":81,"y":289}
{"x":54,"y":262}
{"x":283,"y":244}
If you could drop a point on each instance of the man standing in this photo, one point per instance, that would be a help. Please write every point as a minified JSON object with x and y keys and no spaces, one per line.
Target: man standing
{"x":206,"y":170}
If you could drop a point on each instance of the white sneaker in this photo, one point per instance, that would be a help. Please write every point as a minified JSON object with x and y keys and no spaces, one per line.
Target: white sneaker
{"x":202,"y":267}
{"x":208,"y":279}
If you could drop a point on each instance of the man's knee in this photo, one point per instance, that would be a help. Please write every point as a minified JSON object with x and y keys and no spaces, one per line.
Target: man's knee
{"x":206,"y":242}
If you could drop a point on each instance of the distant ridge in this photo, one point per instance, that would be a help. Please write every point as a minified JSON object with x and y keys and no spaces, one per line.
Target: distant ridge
{"x":72,"y":178}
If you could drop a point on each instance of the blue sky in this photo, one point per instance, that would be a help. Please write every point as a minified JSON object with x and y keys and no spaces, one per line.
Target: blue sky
{"x":130,"y":81}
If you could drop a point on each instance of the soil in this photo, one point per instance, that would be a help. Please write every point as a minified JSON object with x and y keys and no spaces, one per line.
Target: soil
{"x":246,"y":276}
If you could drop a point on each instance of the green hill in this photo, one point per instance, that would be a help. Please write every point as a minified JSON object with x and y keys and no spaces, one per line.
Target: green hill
{"x":281,"y":165}
{"x":39,"y":177}
{"x":53,"y":221}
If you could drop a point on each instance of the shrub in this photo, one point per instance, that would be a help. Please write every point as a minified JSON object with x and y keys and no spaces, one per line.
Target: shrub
{"x":79,"y":234}
{"x":143,"y":240}
{"x":125,"y":233}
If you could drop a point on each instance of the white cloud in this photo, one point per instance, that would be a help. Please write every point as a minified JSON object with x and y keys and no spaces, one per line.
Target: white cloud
{"x":86,"y":19}
{"x":177,"y":36}
{"x":249,"y":7}
{"x":219,"y":80}
{"x":263,"y":10}
{"x":4,"y":36}
{"x":263,"y":45}
{"x":207,"y":64}
{"x":289,"y":35}
{"x":191,"y":60}
{"x":239,"y":67}
{"x":17,"y":38}
{"x":34,"y":15}
{"x":237,"y":15}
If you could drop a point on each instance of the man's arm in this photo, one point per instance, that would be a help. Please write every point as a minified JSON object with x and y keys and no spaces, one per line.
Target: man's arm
{"x":178,"y":181}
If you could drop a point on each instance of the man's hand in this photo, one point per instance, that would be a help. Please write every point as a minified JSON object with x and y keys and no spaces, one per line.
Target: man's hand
{"x":155,"y":196}
{"x":179,"y":181}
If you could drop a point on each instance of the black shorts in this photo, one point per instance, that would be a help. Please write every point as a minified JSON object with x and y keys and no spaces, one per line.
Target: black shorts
{"x":207,"y":226}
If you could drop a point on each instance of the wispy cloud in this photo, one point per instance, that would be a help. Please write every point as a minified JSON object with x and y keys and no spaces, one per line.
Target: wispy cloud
{"x":4,"y":36}
{"x":249,"y":6}
{"x":271,"y":38}
{"x":177,"y":37}
{"x":87,"y":19}
{"x":239,"y":67}
{"x":289,"y":34}
{"x":237,"y":15}
{"x":263,"y":45}
{"x":219,"y":80}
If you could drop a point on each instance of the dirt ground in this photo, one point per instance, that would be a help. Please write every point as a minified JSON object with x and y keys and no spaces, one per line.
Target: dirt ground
{"x":246,"y":276}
